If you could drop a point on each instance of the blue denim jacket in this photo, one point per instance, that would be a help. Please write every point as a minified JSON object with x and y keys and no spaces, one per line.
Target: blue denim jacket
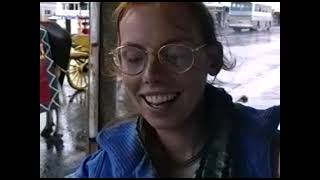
{"x":123,"y":155}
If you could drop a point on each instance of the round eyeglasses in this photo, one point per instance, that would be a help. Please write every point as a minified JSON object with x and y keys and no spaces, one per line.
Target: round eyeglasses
{"x":132,"y":60}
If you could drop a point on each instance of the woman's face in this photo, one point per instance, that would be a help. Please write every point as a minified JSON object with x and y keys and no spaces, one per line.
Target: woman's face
{"x":164,"y":98}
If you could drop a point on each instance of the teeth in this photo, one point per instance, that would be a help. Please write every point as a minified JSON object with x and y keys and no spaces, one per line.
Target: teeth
{"x":157,"y":99}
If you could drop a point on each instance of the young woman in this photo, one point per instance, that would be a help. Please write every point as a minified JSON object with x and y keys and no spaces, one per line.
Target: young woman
{"x":185,"y":127}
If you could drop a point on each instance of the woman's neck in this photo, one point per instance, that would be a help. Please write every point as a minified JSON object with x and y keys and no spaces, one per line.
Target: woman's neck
{"x":184,"y":142}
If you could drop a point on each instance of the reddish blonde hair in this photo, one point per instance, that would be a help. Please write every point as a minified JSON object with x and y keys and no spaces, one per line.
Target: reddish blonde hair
{"x":199,"y":11}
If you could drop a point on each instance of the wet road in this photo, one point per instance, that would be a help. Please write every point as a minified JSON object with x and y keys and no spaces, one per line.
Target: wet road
{"x":257,"y":75}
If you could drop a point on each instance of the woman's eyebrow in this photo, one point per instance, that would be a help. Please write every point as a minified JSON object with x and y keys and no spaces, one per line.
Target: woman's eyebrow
{"x":179,"y":40}
{"x":133,"y":44}
{"x":184,"y":40}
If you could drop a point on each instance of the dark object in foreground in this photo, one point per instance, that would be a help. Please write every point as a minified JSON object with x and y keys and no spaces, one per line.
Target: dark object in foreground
{"x":243,"y":99}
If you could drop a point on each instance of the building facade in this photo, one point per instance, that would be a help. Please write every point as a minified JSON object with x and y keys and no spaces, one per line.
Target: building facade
{"x":47,"y":9}
{"x":220,"y":13}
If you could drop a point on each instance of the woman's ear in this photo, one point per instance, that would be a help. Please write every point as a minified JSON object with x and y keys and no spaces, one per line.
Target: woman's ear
{"x":215,"y":59}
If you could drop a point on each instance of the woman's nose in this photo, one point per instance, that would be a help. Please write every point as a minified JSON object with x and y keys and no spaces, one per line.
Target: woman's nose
{"x":154,"y":71}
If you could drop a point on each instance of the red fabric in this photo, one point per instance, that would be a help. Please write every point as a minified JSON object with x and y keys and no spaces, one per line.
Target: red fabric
{"x":44,"y":84}
{"x":85,"y":31}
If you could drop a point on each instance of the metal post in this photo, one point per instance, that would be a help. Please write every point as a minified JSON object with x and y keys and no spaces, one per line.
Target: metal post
{"x":94,"y":73}
{"x":68,"y":25}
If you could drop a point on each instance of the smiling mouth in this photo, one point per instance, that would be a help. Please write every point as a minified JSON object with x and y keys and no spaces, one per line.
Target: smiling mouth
{"x":156,"y":101}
